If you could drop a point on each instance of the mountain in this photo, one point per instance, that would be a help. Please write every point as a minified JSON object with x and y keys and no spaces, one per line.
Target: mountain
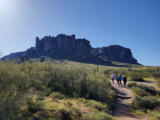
{"x":115,"y":53}
{"x":68,"y":47}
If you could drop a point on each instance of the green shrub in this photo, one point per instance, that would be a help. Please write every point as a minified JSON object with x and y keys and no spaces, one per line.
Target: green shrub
{"x":143,"y":89}
{"x":95,"y":105}
{"x":154,"y":114}
{"x":139,"y":92}
{"x":137,"y":78}
{"x":154,"y":71}
{"x":35,"y":106}
{"x":10,"y":109}
{"x":56,"y":96}
{"x":68,"y":103}
{"x":66,"y":115}
{"x":158,"y":82}
{"x":76,"y":111}
{"x":51,"y":118}
{"x":12,"y":92}
{"x":97,"y":116}
{"x":151,"y":90}
{"x":145,"y":103}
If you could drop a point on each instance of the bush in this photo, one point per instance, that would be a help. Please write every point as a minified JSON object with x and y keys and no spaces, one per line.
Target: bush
{"x":35,"y":106}
{"x":68,"y":103}
{"x":51,"y":118}
{"x":136,"y":77}
{"x":10,"y":109}
{"x":66,"y":115}
{"x":145,"y":103}
{"x":143,"y":89}
{"x":158,"y":82}
{"x":95,"y":105}
{"x":97,"y":116}
{"x":139,"y":92}
{"x":154,"y":114}
{"x":151,"y":90}
{"x":57,"y":96}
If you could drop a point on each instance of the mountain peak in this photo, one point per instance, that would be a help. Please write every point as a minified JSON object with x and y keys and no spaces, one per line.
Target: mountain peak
{"x":68,"y":47}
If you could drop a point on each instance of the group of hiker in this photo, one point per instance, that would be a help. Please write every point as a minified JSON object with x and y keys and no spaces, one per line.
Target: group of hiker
{"x":119,"y":79}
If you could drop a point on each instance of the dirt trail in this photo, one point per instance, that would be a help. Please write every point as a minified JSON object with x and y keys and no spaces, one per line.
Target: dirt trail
{"x":124,"y":99}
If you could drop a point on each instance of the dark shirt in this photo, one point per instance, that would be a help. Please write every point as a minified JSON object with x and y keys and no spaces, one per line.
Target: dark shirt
{"x":125,"y":79}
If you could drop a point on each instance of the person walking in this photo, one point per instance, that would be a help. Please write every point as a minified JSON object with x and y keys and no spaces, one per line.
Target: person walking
{"x":112,"y":77}
{"x":120,"y":80}
{"x":125,"y":81}
{"x":117,"y":78}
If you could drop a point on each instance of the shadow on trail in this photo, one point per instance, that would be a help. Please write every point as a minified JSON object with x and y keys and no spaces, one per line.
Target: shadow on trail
{"x":121,"y":110}
{"x":120,"y":94}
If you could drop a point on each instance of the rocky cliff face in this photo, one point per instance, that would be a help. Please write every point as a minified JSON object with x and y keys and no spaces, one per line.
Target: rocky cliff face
{"x":60,"y":47}
{"x":63,"y":46}
{"x":115,"y":53}
{"x":68,"y":47}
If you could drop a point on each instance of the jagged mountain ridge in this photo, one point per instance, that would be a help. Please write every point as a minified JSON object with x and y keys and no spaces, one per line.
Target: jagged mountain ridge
{"x":68,"y":47}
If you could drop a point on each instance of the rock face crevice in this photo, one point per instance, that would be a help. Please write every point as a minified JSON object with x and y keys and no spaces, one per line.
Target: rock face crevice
{"x":68,"y":47}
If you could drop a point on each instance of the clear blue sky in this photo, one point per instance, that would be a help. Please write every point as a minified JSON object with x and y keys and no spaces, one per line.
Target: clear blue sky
{"x":131,"y":23}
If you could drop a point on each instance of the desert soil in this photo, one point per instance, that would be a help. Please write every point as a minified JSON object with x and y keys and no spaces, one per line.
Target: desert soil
{"x":124,"y":100}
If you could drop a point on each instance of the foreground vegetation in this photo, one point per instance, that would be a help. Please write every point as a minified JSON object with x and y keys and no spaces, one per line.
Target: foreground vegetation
{"x":146,"y":101}
{"x":28,"y":89}
{"x":64,"y":90}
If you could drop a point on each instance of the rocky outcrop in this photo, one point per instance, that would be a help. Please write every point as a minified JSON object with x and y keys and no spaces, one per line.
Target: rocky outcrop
{"x":68,"y":47}
{"x":60,"y":47}
{"x":63,"y":46}
{"x":115,"y":53}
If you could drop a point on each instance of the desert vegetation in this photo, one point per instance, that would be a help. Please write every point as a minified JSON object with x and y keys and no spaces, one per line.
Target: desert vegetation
{"x":64,"y":90}
{"x":146,"y":101}
{"x":31,"y":90}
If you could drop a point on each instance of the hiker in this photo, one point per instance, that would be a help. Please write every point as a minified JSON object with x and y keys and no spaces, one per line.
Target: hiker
{"x":112,"y":77}
{"x":124,"y":81}
{"x":120,"y":80}
{"x":117,"y":78}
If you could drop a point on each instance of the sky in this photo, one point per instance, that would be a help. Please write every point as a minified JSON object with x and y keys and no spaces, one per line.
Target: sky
{"x":134,"y":24}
